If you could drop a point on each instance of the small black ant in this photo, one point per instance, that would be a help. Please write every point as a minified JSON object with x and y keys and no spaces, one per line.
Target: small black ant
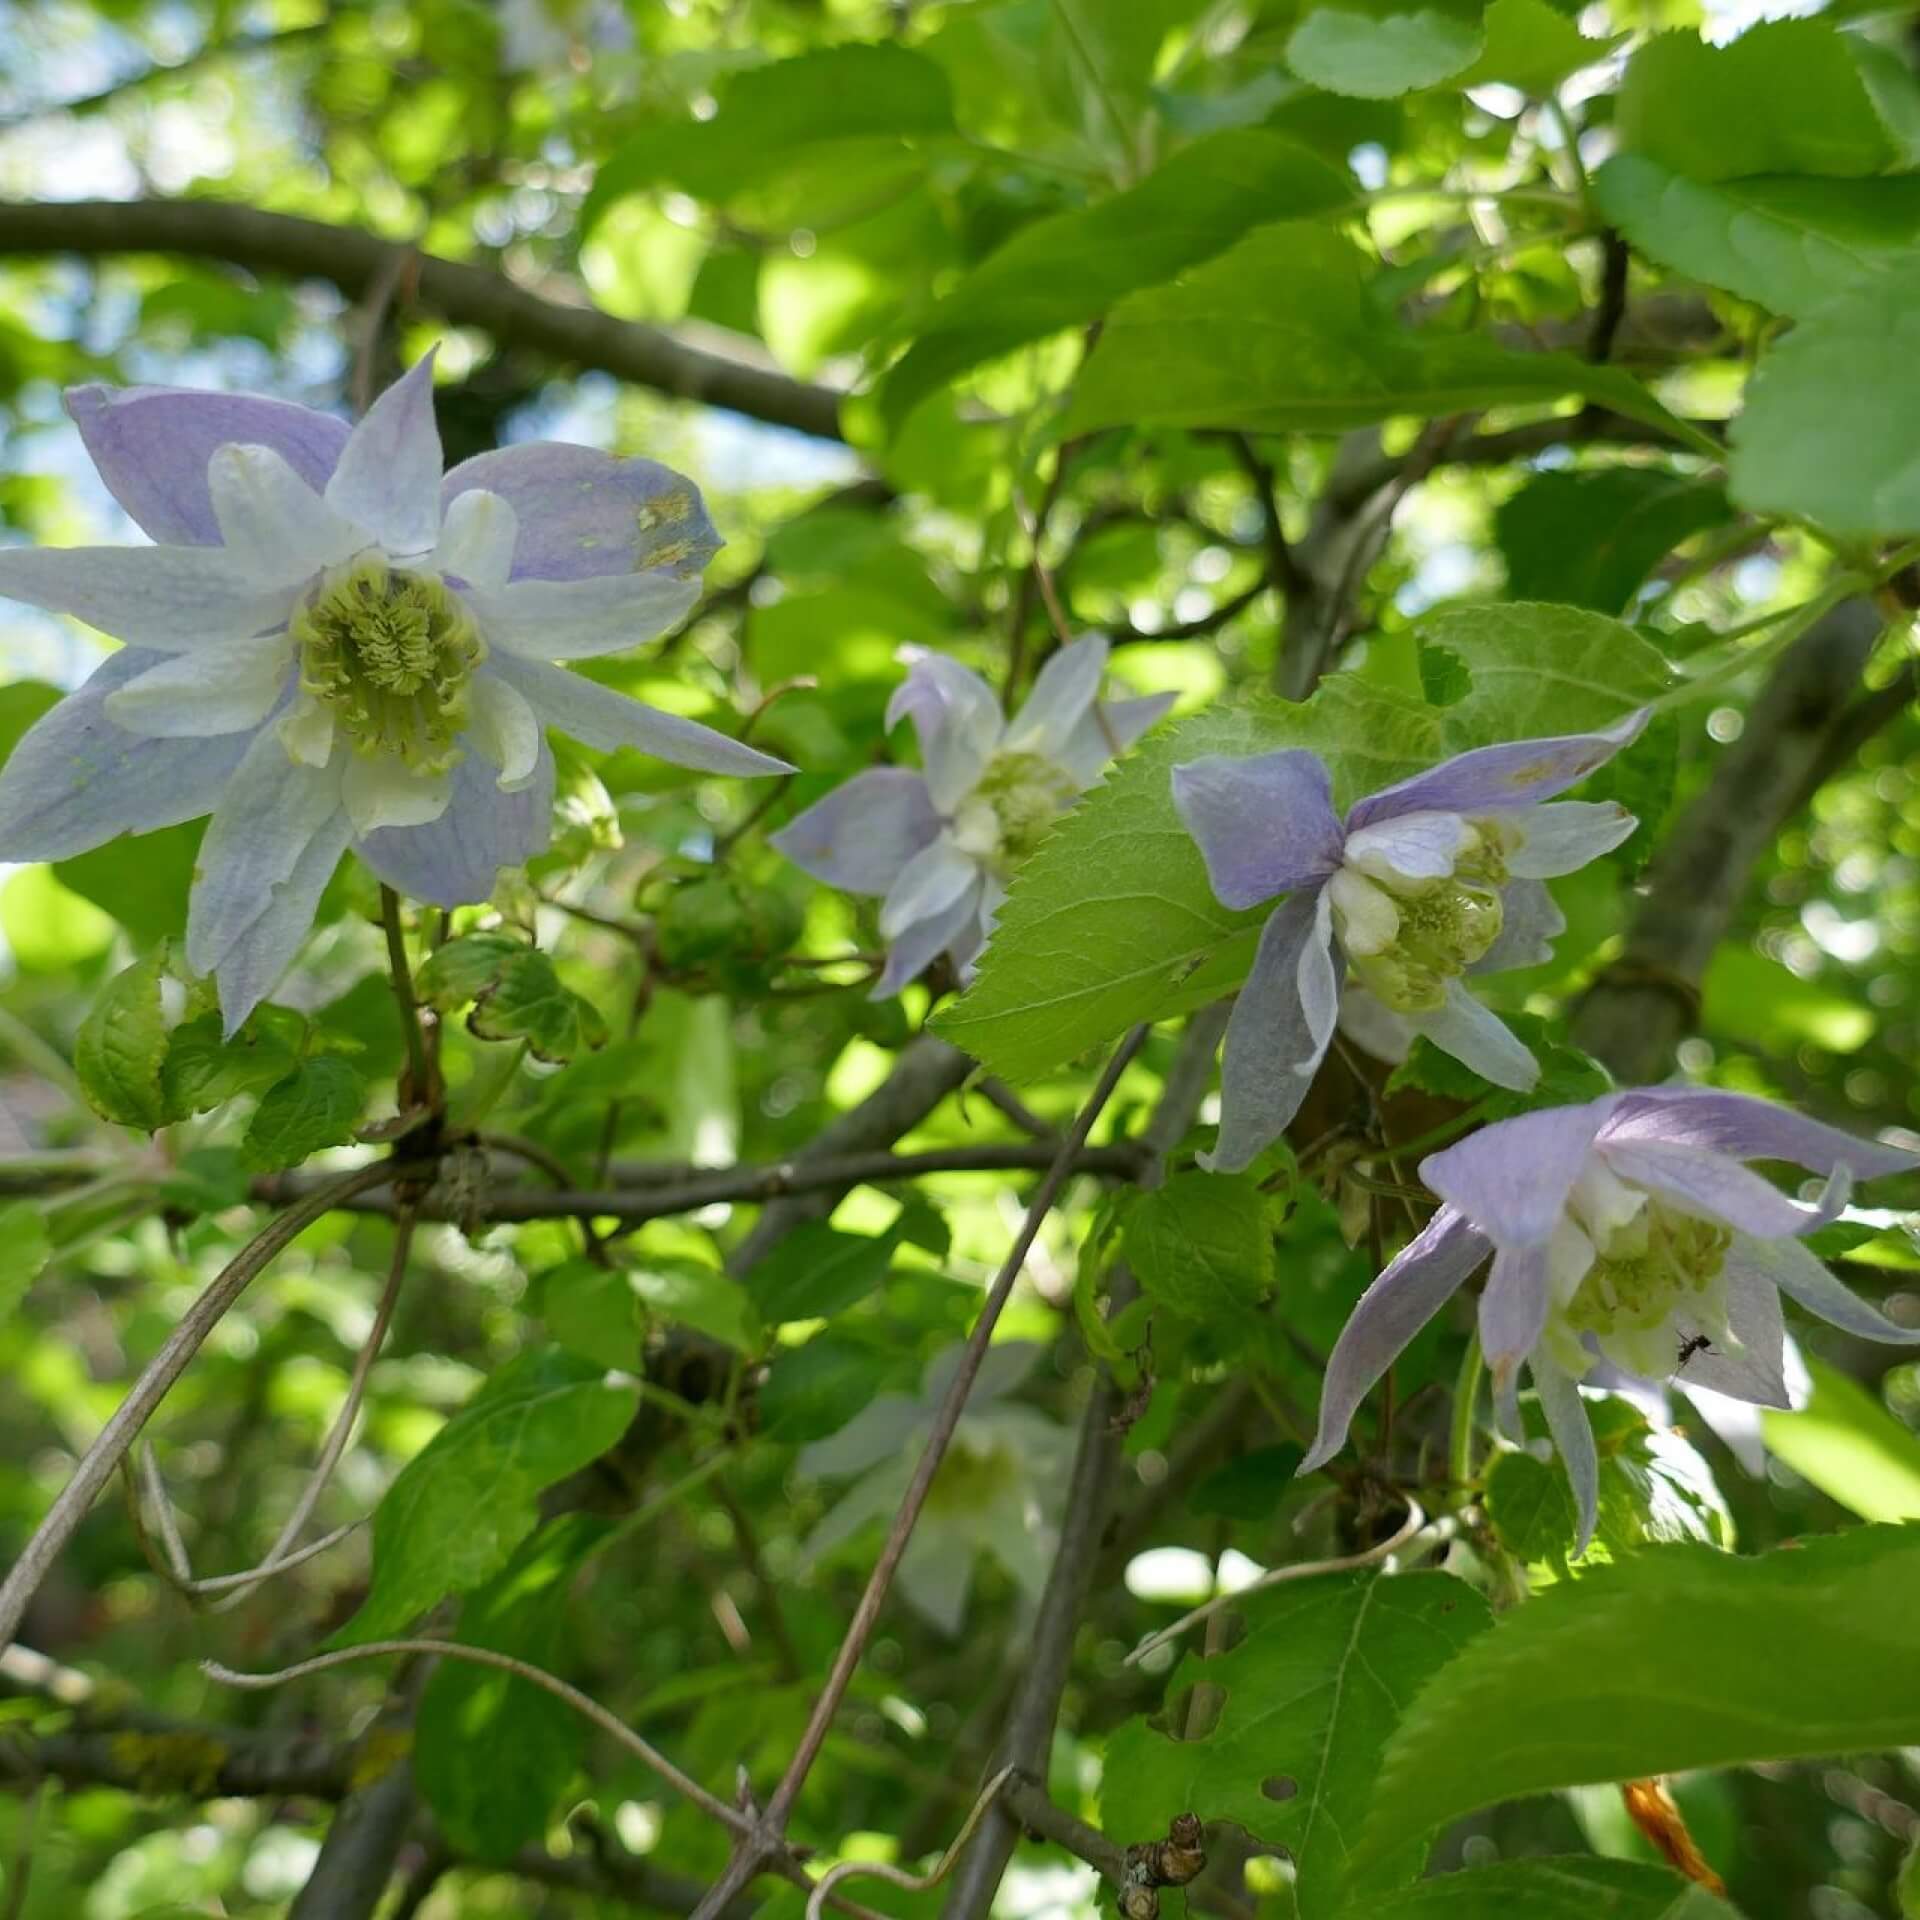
{"x":1695,"y":1343}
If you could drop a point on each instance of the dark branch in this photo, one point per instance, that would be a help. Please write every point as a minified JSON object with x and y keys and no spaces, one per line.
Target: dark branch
{"x":465,"y":295}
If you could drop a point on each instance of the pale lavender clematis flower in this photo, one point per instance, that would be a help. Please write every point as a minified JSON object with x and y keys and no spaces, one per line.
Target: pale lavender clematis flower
{"x":1422,"y":883}
{"x":1624,"y":1231}
{"x":999,"y":1490}
{"x":939,"y":846}
{"x":333,"y":645}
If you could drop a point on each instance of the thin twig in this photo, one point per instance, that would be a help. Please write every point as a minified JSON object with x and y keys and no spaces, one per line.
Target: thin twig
{"x":1275,"y":1576}
{"x":98,"y":1464}
{"x":419,"y":1089}
{"x":893,"y":1876}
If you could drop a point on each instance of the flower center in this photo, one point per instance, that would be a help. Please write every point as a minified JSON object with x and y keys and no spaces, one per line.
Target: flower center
{"x":391,"y":656}
{"x":1650,"y":1271}
{"x":972,"y":1475}
{"x":1017,"y":800}
{"x":1407,"y":938}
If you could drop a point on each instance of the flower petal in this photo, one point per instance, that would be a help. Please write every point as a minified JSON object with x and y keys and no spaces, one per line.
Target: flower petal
{"x":1753,"y":1368}
{"x":1572,"y":1434}
{"x":1278,"y":1033}
{"x":1492,"y":779}
{"x":477,"y":539}
{"x":1422,"y":1278}
{"x":913,"y":952}
{"x":166,"y":598}
{"x":1373,"y":1026}
{"x":75,"y":780}
{"x":267,"y":818}
{"x":875,"y":1497}
{"x":579,"y":619}
{"x":598,"y":717}
{"x":936,"y":1575}
{"x":1512,"y":1179}
{"x":859,"y":836}
{"x":929,"y":883}
{"x":1106,"y":730}
{"x":1530,"y":922}
{"x":380,"y":790}
{"x":254,"y":964}
{"x":879,"y":1431}
{"x":1004,"y":1368}
{"x":956,"y":718}
{"x":1264,"y":825}
{"x":583,"y":512}
{"x":1513,"y":1310}
{"x":454,"y":860}
{"x":1410,"y":846}
{"x":388,"y":478}
{"x":1478,"y":1038}
{"x":1803,"y":1277}
{"x":1063,"y":694}
{"x":1565,"y":835}
{"x":1749,"y":1129}
{"x":153,"y":445}
{"x":1720,"y":1188}
{"x":504,"y":727}
{"x":271,"y":521}
{"x":212,"y":690}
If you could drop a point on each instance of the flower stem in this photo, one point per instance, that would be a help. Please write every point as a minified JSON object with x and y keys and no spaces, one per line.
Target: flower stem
{"x":419,"y":1091}
{"x":1466,"y":1391}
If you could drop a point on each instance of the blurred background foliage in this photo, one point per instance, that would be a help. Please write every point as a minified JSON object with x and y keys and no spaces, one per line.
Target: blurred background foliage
{"x":659,"y":164}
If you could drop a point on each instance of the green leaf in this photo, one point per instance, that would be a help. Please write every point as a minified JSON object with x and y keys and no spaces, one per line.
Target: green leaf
{"x":1667,"y":1660}
{"x":593,"y":1312}
{"x":493,"y":1754}
{"x":1536,"y":671}
{"x":814,"y":1390}
{"x":121,"y":1044}
{"x":1589,"y":537}
{"x":25,"y":1248}
{"x":815,"y":1271}
{"x":1846,"y":1442}
{"x":1789,"y":242}
{"x":700,"y":1297}
{"x":462,"y":1505}
{"x":1112,"y":920}
{"x":202,"y":1068}
{"x":1374,"y":49}
{"x":1067,"y":270}
{"x":314,"y":1106}
{"x":1786,"y":97}
{"x":1576,"y":1888}
{"x":516,"y":995}
{"x":1283,"y":333}
{"x":142,"y":879}
{"x":1201,"y":1244}
{"x":1533,"y":46}
{"x":851,"y":112}
{"x":1311,"y":1696}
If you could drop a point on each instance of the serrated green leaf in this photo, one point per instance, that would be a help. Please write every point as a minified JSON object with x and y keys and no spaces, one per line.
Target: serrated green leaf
{"x":1375,"y":49}
{"x":462,"y":1505}
{"x":121,"y":1044}
{"x":1067,"y":270}
{"x":1846,"y":1442}
{"x":814,"y":1390}
{"x":493,"y":1754}
{"x":1590,"y":537}
{"x":1785,"y":97}
{"x":1832,"y":414}
{"x":1311,"y":1696}
{"x":1667,"y":1660}
{"x":700,"y":1297}
{"x":1790,"y":242}
{"x":25,"y":1248}
{"x":314,"y":1106}
{"x":593,"y":1311}
{"x":1112,"y":920}
{"x":1201,"y":1244}
{"x":815,"y":1271}
{"x":1576,"y":1888}
{"x":1533,"y":46}
{"x":516,"y":995}
{"x":1283,"y":333}
{"x":202,"y":1068}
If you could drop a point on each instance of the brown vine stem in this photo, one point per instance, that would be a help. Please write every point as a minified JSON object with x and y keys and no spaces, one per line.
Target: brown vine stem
{"x":893,"y":1876}
{"x":100,"y":1460}
{"x":766,"y":1841}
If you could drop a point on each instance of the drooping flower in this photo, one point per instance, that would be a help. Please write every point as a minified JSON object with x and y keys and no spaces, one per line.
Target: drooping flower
{"x":940,"y":845}
{"x":999,"y":1489}
{"x":1628,"y":1231}
{"x":335,"y":646}
{"x":1423,"y":883}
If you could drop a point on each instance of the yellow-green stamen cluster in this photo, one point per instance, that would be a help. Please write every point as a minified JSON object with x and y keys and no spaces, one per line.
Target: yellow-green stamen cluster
{"x":391,"y":656}
{"x":1027,"y":794}
{"x":1445,"y":926}
{"x":1658,"y":1262}
{"x":972,"y":1475}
